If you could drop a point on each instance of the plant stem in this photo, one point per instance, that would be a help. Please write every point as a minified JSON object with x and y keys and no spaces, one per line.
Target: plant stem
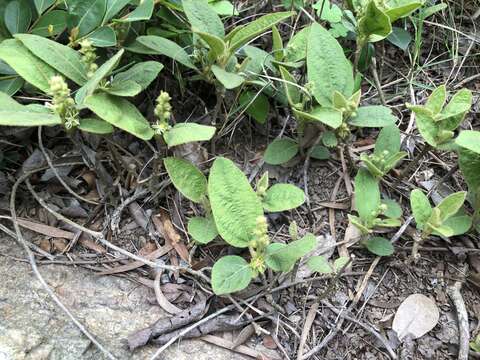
{"x":378,"y":84}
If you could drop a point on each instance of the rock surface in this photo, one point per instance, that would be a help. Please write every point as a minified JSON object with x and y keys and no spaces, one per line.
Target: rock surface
{"x":32,"y":327}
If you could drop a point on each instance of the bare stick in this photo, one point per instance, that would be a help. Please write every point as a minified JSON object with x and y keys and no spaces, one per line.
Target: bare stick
{"x":31,"y":259}
{"x":462,"y":315}
{"x":306,"y":329}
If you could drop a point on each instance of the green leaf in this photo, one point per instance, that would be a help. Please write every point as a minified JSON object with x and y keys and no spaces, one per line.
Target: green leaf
{"x":229,"y":274}
{"x":431,"y":10}
{"x":329,"y":139}
{"x":62,"y":58}
{"x":143,"y":11}
{"x":281,"y":197}
{"x":27,"y":65}
{"x":357,"y":222}
{"x":228,"y":79}
{"x":57,"y":19}
{"x":42,"y":5}
{"x":235,"y":206}
{"x":388,"y":223}
{"x":340,"y":263}
{"x":11,"y":86}
{"x":216,"y":44}
{"x":280,"y":151}
{"x":87,"y":15}
{"x":291,"y":88}
{"x":388,"y":140}
{"x":254,"y":29}
{"x":459,"y":224}
{"x":95,"y":126}
{"x":367,"y":194}
{"x":124,"y":88}
{"x":328,"y":12}
{"x":326,"y":115}
{"x":379,"y":246}
{"x":296,"y":49}
{"x":17,"y":16}
{"x":451,"y":204}
{"x":256,"y":105}
{"x":283,"y":258}
{"x":104,"y":36}
{"x":327,"y":67}
{"x":8,"y":103}
{"x":469,"y":163}
{"x":469,"y":140}
{"x":421,"y":208}
{"x":436,"y":100}
{"x":373,"y":116}
{"x":277,"y":44}
{"x":113,"y":8}
{"x":400,"y":37}
{"x":319,"y":264}
{"x":120,"y":113}
{"x":202,"y":229}
{"x":166,"y":47}
{"x":26,"y":117}
{"x":202,"y":17}
{"x":184,"y":133}
{"x":401,"y":8}
{"x":454,"y":113}
{"x":142,"y":73}
{"x":92,"y":83}
{"x":394,"y":210}
{"x":374,"y":25}
{"x":320,"y":153}
{"x":186,"y":178}
{"x":224,"y":8}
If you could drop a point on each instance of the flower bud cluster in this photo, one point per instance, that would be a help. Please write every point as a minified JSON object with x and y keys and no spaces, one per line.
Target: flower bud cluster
{"x":88,"y":56}
{"x":62,"y":102}
{"x":163,"y":112}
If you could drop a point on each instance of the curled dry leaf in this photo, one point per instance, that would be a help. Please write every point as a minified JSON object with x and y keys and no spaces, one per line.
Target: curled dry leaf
{"x":416,"y":316}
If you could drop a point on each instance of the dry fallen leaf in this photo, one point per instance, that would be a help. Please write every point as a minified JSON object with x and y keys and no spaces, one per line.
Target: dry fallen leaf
{"x":415,"y":316}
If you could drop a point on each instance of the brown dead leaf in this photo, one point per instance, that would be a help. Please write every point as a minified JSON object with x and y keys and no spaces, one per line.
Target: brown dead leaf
{"x":164,"y":226}
{"x":86,"y":242}
{"x":59,"y":244}
{"x":45,"y":229}
{"x":45,"y":245}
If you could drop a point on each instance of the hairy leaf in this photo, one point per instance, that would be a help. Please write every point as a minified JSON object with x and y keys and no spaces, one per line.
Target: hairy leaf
{"x":283,"y":258}
{"x":401,"y":8}
{"x":166,"y":47}
{"x":257,"y":105}
{"x":394,"y":210}
{"x":379,"y":246}
{"x":143,"y":11}
{"x":280,"y":151}
{"x":229,"y":274}
{"x":27,"y":65}
{"x":56,"y":20}
{"x":296,"y":49}
{"x":86,"y":14}
{"x":373,"y":116}
{"x":469,"y":163}
{"x":367,"y":194}
{"x":124,"y":88}
{"x":281,"y":197}
{"x":142,"y":73}
{"x":104,"y":36}
{"x":291,"y":88}
{"x":421,"y":208}
{"x":235,"y":206}
{"x":95,"y":126}
{"x":10,"y":86}
{"x":62,"y":58}
{"x":326,"y":115}
{"x":319,"y":264}
{"x":17,"y":16}
{"x":113,"y":8}
{"x":469,"y":140}
{"x":187,"y":178}
{"x":120,"y":113}
{"x":436,"y":100}
{"x":203,"y":18}
{"x":388,"y":140}
{"x":25,"y":117}
{"x":374,"y":25}
{"x":400,"y":37}
{"x":228,"y":79}
{"x":184,"y":133}
{"x":451,"y":204}
{"x":202,"y":229}
{"x":42,"y":5}
{"x":216,"y":44}
{"x":327,"y":67}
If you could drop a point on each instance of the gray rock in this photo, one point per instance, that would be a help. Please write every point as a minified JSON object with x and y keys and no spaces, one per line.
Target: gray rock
{"x":33,"y":328}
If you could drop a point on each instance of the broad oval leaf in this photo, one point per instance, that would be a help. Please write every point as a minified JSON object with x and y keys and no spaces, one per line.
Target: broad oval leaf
{"x":142,"y":73}
{"x":124,"y":88}
{"x":62,"y":58}
{"x":254,"y":28}
{"x":10,"y":86}
{"x":374,"y":25}
{"x":187,"y":178}
{"x":42,"y":5}
{"x":86,"y":15}
{"x":235,"y":206}
{"x":17,"y":16}
{"x":367,"y":194}
{"x":280,"y":151}
{"x":92,"y":83}
{"x":320,"y":152}
{"x":400,"y":37}
{"x":120,"y":113}
{"x":451,"y":204}
{"x":229,"y":80}
{"x":113,"y":8}
{"x":469,"y":163}
{"x":326,"y":115}
{"x":401,"y":8}
{"x":394,"y":210}
{"x":327,"y":67}
{"x":166,"y":47}
{"x":421,"y":207}
{"x":230,"y":274}
{"x":319,"y":264}
{"x":469,"y":140}
{"x":281,"y":197}
{"x":202,"y":229}
{"x":27,"y":65}
{"x":292,"y":90}
{"x":202,"y":17}
{"x":373,"y":116}
{"x":458,"y":224}
{"x":55,"y":20}
{"x":25,"y":117}
{"x":95,"y":126}
{"x":296,"y":49}
{"x":256,"y":105}
{"x":104,"y":36}
{"x":216,"y":44}
{"x":388,"y":141}
{"x":143,"y":11}
{"x":188,"y":132}
{"x":283,"y":258}
{"x":379,"y":246}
